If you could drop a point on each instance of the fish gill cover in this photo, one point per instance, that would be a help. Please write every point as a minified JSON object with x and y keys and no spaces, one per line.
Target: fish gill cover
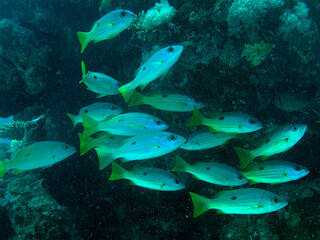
{"x":245,"y":68}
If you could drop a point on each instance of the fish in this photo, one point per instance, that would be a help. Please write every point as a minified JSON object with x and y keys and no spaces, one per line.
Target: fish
{"x":229,"y":122}
{"x":274,"y":172}
{"x":141,"y":147}
{"x":280,"y":140}
{"x":215,"y":173}
{"x":98,"y":111}
{"x":206,"y":140}
{"x":38,"y":155}
{"x":107,"y":27}
{"x":102,"y":140}
{"x":166,"y":102}
{"x":99,"y":83}
{"x":295,"y":102}
{"x":155,"y":67}
{"x":151,"y":178}
{"x":240,"y":201}
{"x":127,"y":124}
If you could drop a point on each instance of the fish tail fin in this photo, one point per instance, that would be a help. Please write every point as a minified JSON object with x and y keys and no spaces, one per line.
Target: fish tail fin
{"x":86,"y":143}
{"x":196,"y":119}
{"x":73,"y":119}
{"x":136,"y":99}
{"x":126,"y":91}
{"x":83,"y":39}
{"x":118,"y":172}
{"x":244,"y":155}
{"x":180,"y":165}
{"x":90,"y":125}
{"x":83,"y":69}
{"x":105,"y":157}
{"x":3,"y":169}
{"x":200,"y":204}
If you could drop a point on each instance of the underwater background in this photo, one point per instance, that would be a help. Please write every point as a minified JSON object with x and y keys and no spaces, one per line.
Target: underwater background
{"x":239,"y":56}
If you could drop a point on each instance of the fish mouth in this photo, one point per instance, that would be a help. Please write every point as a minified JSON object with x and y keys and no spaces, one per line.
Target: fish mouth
{"x":305,"y":172}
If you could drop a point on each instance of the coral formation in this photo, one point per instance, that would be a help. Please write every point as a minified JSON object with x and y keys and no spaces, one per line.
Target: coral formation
{"x":257,"y":52}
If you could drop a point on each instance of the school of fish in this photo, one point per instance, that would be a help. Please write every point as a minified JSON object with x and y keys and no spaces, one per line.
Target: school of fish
{"x":138,"y":136}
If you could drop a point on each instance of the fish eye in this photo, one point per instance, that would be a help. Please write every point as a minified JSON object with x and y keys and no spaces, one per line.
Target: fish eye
{"x":133,"y":143}
{"x":275,"y":200}
{"x":123,"y":14}
{"x":95,"y":77}
{"x":65,"y":147}
{"x":294,"y":128}
{"x":145,"y":173}
{"x":86,"y":111}
{"x":176,"y":181}
{"x":221,"y":117}
{"x":143,"y":68}
{"x":158,"y":122}
{"x":261,"y":168}
{"x":164,"y":95}
{"x":208,"y":168}
{"x":111,"y":137}
{"x":172,"y":137}
{"x":297,"y":168}
{"x":268,"y":140}
{"x":170,"y":49}
{"x":252,"y":121}
{"x":234,"y":198}
{"x":114,"y":108}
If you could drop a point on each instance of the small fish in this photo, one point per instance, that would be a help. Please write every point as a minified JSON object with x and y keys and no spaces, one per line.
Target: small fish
{"x":37,"y":155}
{"x":167,"y":102}
{"x":141,"y":147}
{"x":98,"y":111}
{"x":240,"y":201}
{"x":280,"y":140}
{"x":274,"y":172}
{"x":127,"y":124}
{"x":229,"y":122}
{"x":215,"y":173}
{"x":99,"y":83}
{"x":156,"y":66}
{"x":151,"y":178}
{"x":107,"y":27}
{"x":206,"y":140}
{"x":102,"y":140}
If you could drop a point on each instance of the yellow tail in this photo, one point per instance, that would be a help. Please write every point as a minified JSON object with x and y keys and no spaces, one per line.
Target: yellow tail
{"x":244,"y":155}
{"x":2,"y":168}
{"x":105,"y":157}
{"x":84,"y":40}
{"x":73,"y":119}
{"x":180,"y":165}
{"x":118,"y":172}
{"x":197,"y":118}
{"x":126,"y":91}
{"x":90,"y":125}
{"x":200,"y":204}
{"x":86,"y":143}
{"x":136,"y":99}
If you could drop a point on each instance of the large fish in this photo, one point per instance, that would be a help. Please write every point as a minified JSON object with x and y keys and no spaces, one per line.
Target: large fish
{"x":229,"y":122}
{"x":240,"y":201}
{"x":127,"y":124}
{"x":155,"y":67}
{"x":99,"y":83}
{"x":151,"y":178}
{"x":206,"y":140}
{"x":167,"y":102}
{"x":274,"y":172}
{"x":37,"y":155}
{"x":280,"y":140}
{"x":98,"y":111}
{"x":141,"y":147}
{"x":107,"y":27}
{"x":216,"y":173}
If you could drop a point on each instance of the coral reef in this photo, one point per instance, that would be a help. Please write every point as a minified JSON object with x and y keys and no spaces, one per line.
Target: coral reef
{"x":257,"y":52}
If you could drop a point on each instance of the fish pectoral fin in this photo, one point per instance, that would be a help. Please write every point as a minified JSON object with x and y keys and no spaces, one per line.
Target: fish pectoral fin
{"x":162,"y":186}
{"x":143,"y":86}
{"x":157,"y":147}
{"x":135,"y":125}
